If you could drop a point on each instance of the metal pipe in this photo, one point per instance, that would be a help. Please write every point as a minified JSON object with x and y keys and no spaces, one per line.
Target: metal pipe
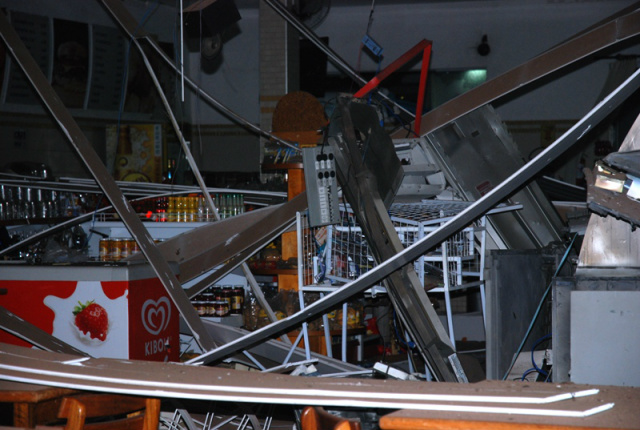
{"x":129,"y":25}
{"x":331,"y":55}
{"x":84,"y":149}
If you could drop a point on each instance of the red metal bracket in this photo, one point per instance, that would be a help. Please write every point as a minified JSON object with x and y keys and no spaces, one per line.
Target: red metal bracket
{"x":423,"y":46}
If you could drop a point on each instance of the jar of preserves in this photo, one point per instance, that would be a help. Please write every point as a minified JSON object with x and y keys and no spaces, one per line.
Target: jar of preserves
{"x":221,"y":308}
{"x":237,"y":299}
{"x":227,"y":293}
{"x":200,"y":308}
{"x":209,"y":300}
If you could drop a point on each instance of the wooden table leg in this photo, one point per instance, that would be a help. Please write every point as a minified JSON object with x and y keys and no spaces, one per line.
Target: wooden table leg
{"x":23,"y":414}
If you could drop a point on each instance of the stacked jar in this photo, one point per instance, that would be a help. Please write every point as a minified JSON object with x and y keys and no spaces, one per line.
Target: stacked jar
{"x":209,"y":304}
{"x":117,"y":248}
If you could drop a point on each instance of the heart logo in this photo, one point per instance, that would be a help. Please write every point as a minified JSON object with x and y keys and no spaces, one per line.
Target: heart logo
{"x":156,"y":315}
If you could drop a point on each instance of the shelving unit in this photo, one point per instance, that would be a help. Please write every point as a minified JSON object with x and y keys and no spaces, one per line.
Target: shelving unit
{"x":334,"y":255}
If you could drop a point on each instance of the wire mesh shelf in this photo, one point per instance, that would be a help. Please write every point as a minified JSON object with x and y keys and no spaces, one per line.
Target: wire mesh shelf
{"x":335,"y":254}
{"x":340,"y":253}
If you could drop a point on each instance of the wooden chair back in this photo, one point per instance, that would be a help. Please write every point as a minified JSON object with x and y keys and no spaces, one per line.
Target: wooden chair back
{"x":120,"y":412}
{"x":316,"y":418}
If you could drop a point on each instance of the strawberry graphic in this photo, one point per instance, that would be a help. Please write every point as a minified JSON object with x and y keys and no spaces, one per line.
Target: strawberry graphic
{"x":92,"y":318}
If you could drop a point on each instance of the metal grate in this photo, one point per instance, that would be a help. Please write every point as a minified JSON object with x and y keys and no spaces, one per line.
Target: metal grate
{"x":336,"y":254}
{"x":339,"y":253}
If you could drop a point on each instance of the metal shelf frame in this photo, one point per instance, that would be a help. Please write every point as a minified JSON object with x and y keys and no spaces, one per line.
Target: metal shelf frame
{"x":336,"y":254}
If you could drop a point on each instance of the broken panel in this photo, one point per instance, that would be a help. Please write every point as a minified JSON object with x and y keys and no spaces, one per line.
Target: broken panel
{"x":476,"y":154}
{"x":359,"y":148}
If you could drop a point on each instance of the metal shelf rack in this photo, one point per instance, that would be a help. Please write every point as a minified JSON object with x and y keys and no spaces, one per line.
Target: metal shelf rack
{"x":333,"y":255}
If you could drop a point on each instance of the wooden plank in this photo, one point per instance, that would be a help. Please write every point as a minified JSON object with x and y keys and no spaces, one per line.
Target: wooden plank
{"x":513,"y":401}
{"x":391,"y":422}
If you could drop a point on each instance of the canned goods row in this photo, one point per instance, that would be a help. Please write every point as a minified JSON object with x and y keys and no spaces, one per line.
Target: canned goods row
{"x":208,"y":302}
{"x":115,"y":249}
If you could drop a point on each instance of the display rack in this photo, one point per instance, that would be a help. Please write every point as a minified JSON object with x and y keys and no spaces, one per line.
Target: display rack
{"x":334,"y":255}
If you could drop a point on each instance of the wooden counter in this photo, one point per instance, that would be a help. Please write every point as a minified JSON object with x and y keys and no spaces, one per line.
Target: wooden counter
{"x":32,"y":404}
{"x":625,"y":413}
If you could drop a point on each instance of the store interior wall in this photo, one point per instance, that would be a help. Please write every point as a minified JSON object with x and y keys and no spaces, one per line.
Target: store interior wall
{"x":516,"y":31}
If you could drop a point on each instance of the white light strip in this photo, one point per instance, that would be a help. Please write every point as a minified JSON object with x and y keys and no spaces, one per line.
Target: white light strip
{"x":312,"y":392}
{"x":346,"y":402}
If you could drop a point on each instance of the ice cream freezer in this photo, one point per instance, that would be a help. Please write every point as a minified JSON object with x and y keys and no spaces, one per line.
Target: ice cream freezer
{"x":106,"y":310}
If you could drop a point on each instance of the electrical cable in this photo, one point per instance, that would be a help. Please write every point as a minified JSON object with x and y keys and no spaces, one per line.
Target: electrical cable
{"x":373,"y":5}
{"x":409,"y":344}
{"x":533,"y":361}
{"x":527,"y":372}
{"x":537,"y":313}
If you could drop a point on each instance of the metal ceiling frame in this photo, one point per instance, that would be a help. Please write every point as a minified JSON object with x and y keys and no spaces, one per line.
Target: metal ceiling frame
{"x":610,"y":33}
{"x":464,"y":218}
{"x":88,"y":155}
{"x":620,"y":26}
{"x":359,"y":187}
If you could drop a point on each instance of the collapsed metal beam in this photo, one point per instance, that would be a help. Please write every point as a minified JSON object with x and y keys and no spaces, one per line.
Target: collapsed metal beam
{"x":205,"y":248}
{"x":277,"y":352}
{"x":279,"y":8}
{"x":142,"y":189}
{"x":482,"y":137}
{"x":131,"y":26}
{"x":13,"y":324}
{"x":198,"y":250}
{"x":464,"y":218}
{"x":239,"y":258}
{"x":359,"y":187}
{"x":581,"y":46}
{"x":83,"y":147}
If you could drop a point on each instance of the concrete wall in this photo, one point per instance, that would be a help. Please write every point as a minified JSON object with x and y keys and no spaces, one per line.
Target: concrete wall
{"x":516,"y":30}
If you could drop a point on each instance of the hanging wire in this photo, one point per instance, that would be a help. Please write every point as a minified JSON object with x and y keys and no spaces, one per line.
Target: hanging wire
{"x":373,"y":5}
{"x":533,"y":361}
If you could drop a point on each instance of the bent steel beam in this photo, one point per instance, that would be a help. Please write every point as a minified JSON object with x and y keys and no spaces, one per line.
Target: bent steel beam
{"x":587,"y":43}
{"x":130,"y":26}
{"x":359,"y":187}
{"x":464,"y":218}
{"x":83,"y":147}
{"x":13,"y":324}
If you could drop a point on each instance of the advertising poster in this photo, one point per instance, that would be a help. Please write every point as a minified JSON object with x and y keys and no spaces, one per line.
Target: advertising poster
{"x":110,"y":319}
